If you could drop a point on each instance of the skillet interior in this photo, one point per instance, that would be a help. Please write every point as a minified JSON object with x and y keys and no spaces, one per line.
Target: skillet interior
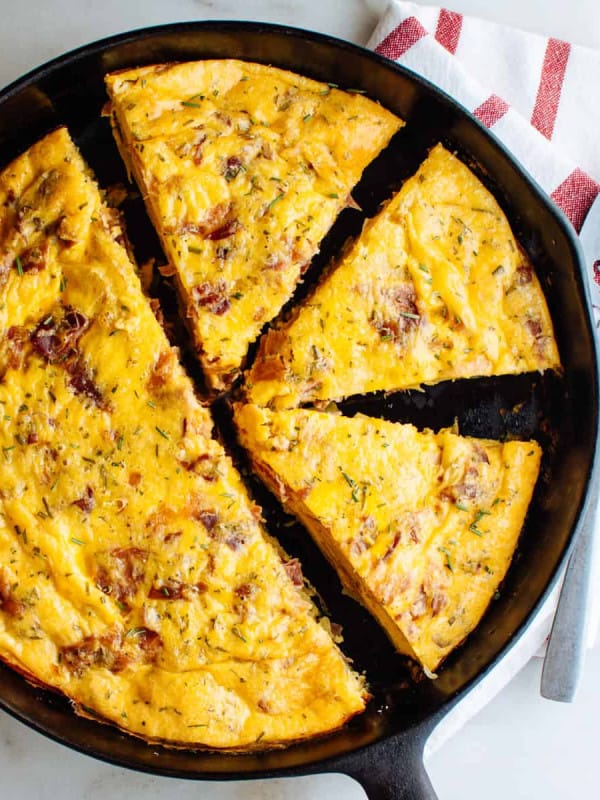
{"x":560,"y":412}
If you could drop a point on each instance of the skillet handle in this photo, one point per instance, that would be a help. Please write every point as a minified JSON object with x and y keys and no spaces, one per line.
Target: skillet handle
{"x":392,"y":770}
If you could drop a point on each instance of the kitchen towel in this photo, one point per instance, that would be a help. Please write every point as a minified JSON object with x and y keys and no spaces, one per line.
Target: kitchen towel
{"x":541,"y":97}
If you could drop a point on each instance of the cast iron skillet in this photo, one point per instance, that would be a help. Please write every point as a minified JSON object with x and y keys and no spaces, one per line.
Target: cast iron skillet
{"x":383,"y":747}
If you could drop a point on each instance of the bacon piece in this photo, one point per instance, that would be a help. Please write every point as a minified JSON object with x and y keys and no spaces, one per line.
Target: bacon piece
{"x":101,"y":651}
{"x":82,"y":383}
{"x":162,"y":369}
{"x":34,"y":259}
{"x":534,"y":326}
{"x":232,"y":167}
{"x":87,"y":502}
{"x":219,"y":223}
{"x":246,"y":591}
{"x":208,"y":518}
{"x":112,"y":651}
{"x":524,"y":274}
{"x":8,"y":603}
{"x":150,"y":644}
{"x":196,"y":151}
{"x":120,"y":572}
{"x":404,"y":317}
{"x":134,"y":478}
{"x":56,"y":340}
{"x":439,"y":601}
{"x":294,"y":571}
{"x":212,"y":296}
{"x":16,"y":338}
{"x":235,"y":541}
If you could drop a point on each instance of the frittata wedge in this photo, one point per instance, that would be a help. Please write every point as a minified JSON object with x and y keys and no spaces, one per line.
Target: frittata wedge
{"x":435,"y":288}
{"x":135,"y":575}
{"x":420,"y":526}
{"x":243,"y":168}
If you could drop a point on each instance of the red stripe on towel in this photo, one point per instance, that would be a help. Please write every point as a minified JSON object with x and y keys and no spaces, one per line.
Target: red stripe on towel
{"x":575,"y":196}
{"x":448,"y":29}
{"x":401,"y":39}
{"x":549,"y":89}
{"x":491,"y":110}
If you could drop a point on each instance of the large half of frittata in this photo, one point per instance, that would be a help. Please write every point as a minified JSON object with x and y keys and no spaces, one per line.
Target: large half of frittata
{"x":135,"y":576}
{"x":243,"y":168}
{"x":421,"y":527}
{"x":435,"y":288}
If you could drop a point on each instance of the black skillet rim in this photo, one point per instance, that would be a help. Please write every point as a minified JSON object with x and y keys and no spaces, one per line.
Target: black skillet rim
{"x":340,"y":762}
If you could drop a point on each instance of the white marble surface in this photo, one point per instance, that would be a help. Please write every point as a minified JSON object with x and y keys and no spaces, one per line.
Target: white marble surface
{"x":520,"y":746}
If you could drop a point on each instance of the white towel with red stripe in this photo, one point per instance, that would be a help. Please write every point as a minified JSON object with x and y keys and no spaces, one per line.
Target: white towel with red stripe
{"x":541,"y":97}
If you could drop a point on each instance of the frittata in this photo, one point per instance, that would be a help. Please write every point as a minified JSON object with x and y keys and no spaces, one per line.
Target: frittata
{"x":135,"y":575}
{"x":243,"y":168}
{"x":420,"y":526}
{"x":435,"y":288}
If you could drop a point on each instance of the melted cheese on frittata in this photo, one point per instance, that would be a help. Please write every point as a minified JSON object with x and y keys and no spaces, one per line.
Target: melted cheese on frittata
{"x":435,"y":288}
{"x":135,"y":576}
{"x":243,"y":168}
{"x":421,"y":526}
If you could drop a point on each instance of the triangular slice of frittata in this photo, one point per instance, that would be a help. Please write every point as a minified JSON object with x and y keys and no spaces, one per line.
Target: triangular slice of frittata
{"x":435,"y":288}
{"x":243,"y":168}
{"x":135,"y":575}
{"x":420,"y":526}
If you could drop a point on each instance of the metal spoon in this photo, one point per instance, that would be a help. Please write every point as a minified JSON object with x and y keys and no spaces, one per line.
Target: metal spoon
{"x":567,"y":642}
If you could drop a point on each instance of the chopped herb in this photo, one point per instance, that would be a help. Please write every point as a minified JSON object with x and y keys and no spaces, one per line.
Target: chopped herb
{"x":162,"y":433}
{"x":306,"y":117}
{"x":238,"y":295}
{"x":203,"y":724}
{"x":135,"y":631}
{"x":196,"y":250}
{"x":19,"y":266}
{"x":334,"y":196}
{"x":151,"y":404}
{"x":47,"y":507}
{"x":275,"y":200}
{"x":22,"y":533}
{"x":352,"y":484}
{"x":76,"y":541}
{"x":474,"y":529}
{"x":356,"y":91}
{"x":236,"y":632}
{"x":189,"y":104}
{"x":408,"y":315}
{"x":446,"y":552}
{"x":120,"y":443}
{"x":63,"y":283}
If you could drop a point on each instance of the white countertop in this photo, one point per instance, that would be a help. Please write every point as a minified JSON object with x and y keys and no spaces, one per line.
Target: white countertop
{"x":519,"y":746}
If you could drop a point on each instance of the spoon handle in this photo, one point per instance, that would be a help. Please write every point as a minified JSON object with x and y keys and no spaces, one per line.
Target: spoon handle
{"x":566,"y":645}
